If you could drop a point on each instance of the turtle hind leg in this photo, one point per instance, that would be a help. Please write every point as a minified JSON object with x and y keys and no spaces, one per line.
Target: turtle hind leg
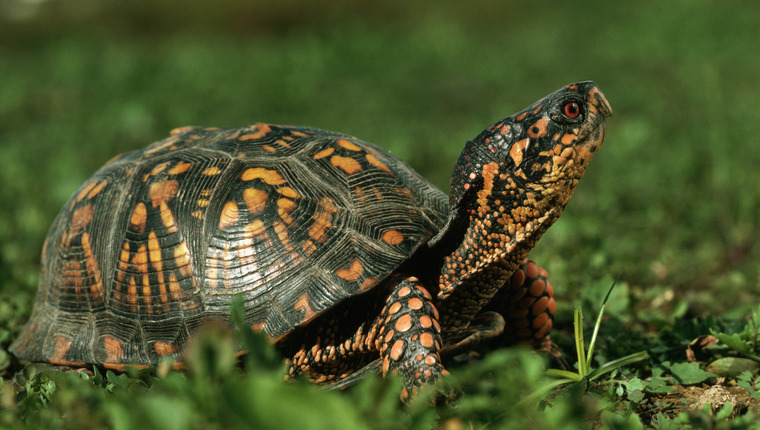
{"x":527,"y":304}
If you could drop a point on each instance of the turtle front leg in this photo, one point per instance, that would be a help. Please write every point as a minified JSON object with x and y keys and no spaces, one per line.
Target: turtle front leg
{"x":409,"y":336}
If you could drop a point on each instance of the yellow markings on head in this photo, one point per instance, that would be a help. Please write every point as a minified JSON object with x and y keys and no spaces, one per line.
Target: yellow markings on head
{"x":347,"y":145}
{"x":113,"y":349}
{"x":393,"y":237}
{"x":270,"y":177}
{"x":371,"y":159}
{"x":229,"y":215}
{"x":538,"y":129}
{"x":259,"y":131}
{"x":62,"y":346}
{"x":517,"y":151}
{"x":162,"y":191}
{"x":323,"y":153}
{"x":348,"y":165}
{"x":538,"y":108}
{"x":521,"y":116}
{"x":163,"y":348}
{"x":568,"y":139}
{"x":351,"y":273}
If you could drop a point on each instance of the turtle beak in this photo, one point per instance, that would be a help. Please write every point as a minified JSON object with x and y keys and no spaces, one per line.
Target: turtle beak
{"x":599,"y":102}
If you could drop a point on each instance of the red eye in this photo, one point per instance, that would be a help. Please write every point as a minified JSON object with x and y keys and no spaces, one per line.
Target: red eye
{"x":571,"y":110}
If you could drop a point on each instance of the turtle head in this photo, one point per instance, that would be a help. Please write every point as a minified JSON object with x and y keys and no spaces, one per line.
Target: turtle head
{"x":544,"y":148}
{"x":514,"y":179}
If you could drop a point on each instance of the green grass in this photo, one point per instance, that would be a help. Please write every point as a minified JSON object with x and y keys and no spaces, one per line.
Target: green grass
{"x":670,"y":208}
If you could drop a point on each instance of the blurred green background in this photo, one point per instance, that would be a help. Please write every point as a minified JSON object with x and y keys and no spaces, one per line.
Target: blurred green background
{"x":670,"y":207}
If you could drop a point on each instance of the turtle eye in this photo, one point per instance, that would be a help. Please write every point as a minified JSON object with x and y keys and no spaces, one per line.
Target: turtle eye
{"x":571,"y":109}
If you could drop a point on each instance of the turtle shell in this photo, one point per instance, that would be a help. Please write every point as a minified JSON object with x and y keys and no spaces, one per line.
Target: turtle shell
{"x":159,"y":241}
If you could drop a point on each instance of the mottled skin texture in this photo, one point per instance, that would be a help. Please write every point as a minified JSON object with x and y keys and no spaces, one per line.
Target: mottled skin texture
{"x":347,"y":258}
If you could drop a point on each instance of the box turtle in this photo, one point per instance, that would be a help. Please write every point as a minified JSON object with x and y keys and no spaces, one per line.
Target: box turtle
{"x":344,"y":256}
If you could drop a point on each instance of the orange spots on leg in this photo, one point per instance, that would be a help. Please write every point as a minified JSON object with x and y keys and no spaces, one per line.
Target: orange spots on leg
{"x":397,"y":350}
{"x":404,"y":323}
{"x":426,"y":340}
{"x":395,"y":307}
{"x":415,"y":303}
{"x":426,"y":321}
